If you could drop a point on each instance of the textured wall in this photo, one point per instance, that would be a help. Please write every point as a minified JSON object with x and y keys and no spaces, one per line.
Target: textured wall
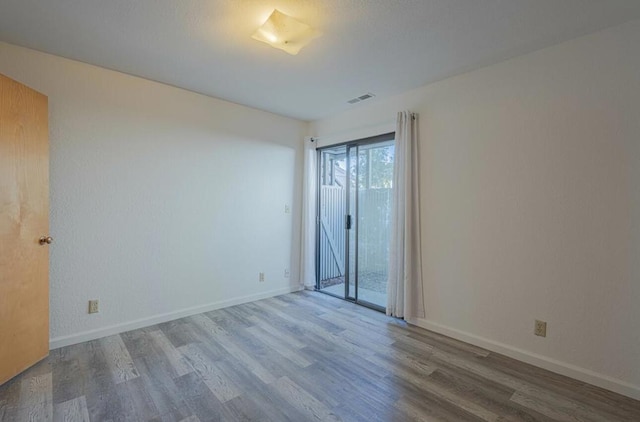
{"x":531,"y":203}
{"x":161,"y":199}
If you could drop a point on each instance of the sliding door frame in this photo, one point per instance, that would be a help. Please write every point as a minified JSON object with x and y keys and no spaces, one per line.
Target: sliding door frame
{"x":348,"y":145}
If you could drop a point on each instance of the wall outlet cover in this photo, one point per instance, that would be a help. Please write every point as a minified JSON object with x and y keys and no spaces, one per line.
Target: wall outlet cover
{"x":93,"y":306}
{"x":540,"y":328}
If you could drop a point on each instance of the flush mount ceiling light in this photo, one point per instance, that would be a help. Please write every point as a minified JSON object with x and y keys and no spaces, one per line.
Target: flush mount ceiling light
{"x":284,"y":32}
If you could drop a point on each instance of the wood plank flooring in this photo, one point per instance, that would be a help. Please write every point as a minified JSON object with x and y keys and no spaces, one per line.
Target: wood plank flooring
{"x":299,"y":357}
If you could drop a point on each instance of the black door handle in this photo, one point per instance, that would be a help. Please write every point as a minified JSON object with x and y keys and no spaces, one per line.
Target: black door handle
{"x":348,"y":222}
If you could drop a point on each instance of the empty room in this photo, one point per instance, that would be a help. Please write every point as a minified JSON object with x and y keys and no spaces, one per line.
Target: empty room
{"x":320,"y":210}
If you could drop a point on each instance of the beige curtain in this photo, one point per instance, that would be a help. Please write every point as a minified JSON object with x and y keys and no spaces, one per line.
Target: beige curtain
{"x":308,"y":235}
{"x":404,"y":288}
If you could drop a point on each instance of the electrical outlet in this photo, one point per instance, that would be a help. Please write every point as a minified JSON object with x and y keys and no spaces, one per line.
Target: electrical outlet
{"x":261,"y":277}
{"x":93,"y":306}
{"x":287,"y":209}
{"x":540,"y":328}
{"x":286,"y":273}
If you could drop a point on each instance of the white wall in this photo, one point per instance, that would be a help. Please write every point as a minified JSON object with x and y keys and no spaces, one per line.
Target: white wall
{"x":530,"y":204}
{"x":163,"y":202}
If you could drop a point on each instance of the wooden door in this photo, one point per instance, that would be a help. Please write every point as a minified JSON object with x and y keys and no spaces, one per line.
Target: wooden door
{"x":24,"y":220}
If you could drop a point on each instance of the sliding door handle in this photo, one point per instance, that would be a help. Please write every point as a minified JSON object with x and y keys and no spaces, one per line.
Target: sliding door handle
{"x":347,"y":223}
{"x":45,"y":240}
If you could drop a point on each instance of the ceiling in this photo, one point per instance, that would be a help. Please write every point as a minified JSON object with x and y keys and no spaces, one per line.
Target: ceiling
{"x":379,"y":46}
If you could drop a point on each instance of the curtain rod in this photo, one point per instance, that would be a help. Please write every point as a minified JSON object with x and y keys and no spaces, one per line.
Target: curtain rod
{"x":377,"y":128}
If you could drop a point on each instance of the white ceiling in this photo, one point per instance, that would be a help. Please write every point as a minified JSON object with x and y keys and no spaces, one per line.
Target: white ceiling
{"x":380,"y":46}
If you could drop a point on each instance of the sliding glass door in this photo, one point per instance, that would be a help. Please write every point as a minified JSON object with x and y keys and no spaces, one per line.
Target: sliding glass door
{"x":332,"y":234}
{"x":354,"y":214}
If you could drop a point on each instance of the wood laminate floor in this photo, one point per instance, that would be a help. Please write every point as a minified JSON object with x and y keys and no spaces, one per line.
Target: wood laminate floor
{"x":298,"y":357}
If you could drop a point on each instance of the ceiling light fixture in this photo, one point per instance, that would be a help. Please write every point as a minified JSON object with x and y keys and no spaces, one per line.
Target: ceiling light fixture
{"x":285,"y":33}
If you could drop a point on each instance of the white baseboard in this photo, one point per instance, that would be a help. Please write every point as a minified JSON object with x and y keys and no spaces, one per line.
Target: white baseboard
{"x":562,"y":368}
{"x":81,"y":337}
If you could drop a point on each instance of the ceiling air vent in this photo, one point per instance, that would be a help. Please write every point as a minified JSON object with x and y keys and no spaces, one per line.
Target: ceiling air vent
{"x":361,"y":98}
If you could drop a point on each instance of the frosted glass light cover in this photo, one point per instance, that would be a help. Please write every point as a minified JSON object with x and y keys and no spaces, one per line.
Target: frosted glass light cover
{"x":284,"y":32}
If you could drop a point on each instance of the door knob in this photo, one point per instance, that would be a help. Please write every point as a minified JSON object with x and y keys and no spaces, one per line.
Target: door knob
{"x":46,"y":240}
